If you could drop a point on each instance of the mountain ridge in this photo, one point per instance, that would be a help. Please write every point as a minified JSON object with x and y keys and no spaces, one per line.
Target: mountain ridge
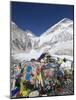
{"x":26,"y":41}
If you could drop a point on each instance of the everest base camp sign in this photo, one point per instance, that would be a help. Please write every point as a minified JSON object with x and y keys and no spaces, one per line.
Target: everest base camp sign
{"x":42,"y":50}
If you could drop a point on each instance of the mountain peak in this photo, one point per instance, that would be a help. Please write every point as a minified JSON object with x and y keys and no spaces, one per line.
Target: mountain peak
{"x":29,"y":33}
{"x":13,"y":23}
{"x":65,"y":20}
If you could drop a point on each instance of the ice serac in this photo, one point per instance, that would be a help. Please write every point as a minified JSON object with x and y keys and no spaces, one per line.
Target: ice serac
{"x":20,"y":40}
{"x":57,"y":40}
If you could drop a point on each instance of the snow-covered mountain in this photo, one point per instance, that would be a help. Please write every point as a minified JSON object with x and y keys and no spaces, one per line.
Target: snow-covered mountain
{"x":57,"y":40}
{"x":20,"y":40}
{"x":60,"y":32}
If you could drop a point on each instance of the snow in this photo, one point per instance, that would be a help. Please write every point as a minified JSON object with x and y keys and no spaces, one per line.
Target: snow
{"x":70,"y":58}
{"x":58,"y":38}
{"x":27,"y":56}
{"x":34,"y":54}
{"x":66,"y":65}
{"x":59,"y":28}
{"x":29,"y":34}
{"x":62,"y":46}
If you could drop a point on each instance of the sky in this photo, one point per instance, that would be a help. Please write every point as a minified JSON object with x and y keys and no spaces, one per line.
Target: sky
{"x":38,"y":17}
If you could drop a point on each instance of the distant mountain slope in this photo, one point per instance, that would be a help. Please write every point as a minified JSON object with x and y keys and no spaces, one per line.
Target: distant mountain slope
{"x":20,"y":40}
